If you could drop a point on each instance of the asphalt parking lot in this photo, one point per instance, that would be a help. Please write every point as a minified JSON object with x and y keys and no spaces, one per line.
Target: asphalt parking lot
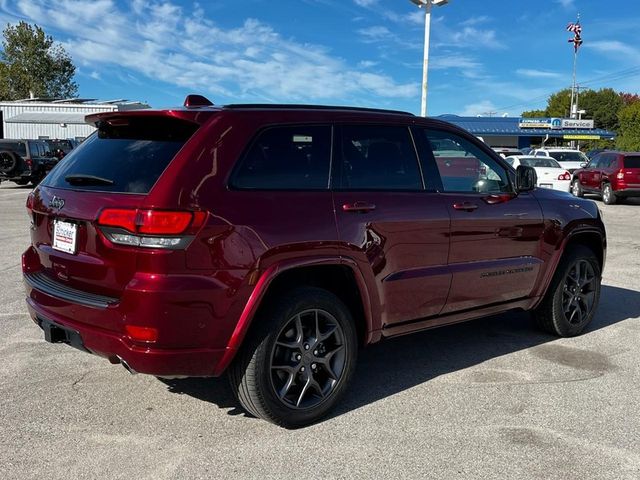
{"x":490,"y":399}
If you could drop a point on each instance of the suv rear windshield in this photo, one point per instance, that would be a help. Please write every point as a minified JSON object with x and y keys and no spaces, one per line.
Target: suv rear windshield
{"x":126,"y":154}
{"x":569,"y":156}
{"x":17,"y":147}
{"x":632,"y":162}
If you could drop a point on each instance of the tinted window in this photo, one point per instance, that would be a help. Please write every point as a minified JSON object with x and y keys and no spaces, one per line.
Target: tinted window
{"x":287,"y":158}
{"x":464,"y":167}
{"x":131,"y":153}
{"x":17,"y":147}
{"x":377,"y":158}
{"x":632,"y":162}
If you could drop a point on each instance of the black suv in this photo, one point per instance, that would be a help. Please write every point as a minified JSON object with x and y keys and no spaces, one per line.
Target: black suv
{"x":24,"y":161}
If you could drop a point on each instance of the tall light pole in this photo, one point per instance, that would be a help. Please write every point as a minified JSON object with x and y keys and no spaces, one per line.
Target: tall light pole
{"x":426,"y":4}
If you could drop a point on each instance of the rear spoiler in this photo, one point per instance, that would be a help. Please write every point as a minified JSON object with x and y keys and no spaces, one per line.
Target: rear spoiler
{"x":197,"y":116}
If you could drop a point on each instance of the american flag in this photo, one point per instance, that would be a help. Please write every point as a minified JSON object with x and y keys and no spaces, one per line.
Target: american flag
{"x":576,"y":29}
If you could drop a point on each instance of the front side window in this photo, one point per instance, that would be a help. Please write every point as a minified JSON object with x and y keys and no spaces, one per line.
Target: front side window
{"x":464,"y":167}
{"x":376,"y":157}
{"x":287,"y":158}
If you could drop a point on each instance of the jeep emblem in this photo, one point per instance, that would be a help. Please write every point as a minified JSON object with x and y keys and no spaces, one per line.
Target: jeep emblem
{"x":56,"y":202}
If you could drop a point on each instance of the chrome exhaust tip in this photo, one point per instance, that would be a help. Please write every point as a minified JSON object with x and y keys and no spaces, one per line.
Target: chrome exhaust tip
{"x":126,"y":366}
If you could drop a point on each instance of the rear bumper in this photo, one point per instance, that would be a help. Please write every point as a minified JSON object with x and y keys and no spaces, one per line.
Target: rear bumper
{"x":194,"y":317}
{"x":628,"y":192}
{"x":200,"y":362}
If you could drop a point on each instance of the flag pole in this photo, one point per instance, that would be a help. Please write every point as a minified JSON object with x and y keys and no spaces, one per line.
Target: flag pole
{"x":572,"y":113}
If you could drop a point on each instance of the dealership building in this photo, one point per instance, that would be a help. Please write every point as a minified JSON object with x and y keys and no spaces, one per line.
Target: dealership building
{"x":524,"y":132}
{"x":55,"y":118}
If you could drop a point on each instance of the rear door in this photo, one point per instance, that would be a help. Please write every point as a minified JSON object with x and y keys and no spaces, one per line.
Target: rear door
{"x":495,"y":234}
{"x":388,"y":222}
{"x":115,"y":167}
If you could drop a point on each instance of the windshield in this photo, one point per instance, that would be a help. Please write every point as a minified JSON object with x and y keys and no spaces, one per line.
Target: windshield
{"x":569,"y":156}
{"x":17,"y":147}
{"x":125,"y":155}
{"x":540,"y":162}
{"x":632,"y":162}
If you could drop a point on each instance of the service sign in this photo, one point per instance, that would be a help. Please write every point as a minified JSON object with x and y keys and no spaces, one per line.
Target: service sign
{"x":573,"y":123}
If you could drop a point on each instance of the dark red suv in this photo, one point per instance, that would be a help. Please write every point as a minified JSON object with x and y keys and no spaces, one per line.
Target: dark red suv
{"x":613,"y":175}
{"x":271,"y":242}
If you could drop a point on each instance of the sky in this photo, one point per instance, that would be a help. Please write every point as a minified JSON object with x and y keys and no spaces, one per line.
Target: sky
{"x":490,"y":57}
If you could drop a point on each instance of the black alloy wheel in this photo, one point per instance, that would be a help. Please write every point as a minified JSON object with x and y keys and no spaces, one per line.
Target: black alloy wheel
{"x":579,"y":292}
{"x":572,"y":298}
{"x":307,"y":359}
{"x":297,"y":359}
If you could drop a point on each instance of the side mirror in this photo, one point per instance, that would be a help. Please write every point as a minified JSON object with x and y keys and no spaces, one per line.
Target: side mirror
{"x":526,"y":178}
{"x":583,"y":165}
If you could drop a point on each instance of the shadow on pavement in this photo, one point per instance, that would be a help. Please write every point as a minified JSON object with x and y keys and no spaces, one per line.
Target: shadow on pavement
{"x":393,"y":366}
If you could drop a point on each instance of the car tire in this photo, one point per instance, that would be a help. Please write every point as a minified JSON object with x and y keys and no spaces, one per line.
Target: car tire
{"x":576,"y":188}
{"x":608,"y":197}
{"x":573,"y":295}
{"x":22,"y":183}
{"x":298,"y":359}
{"x":8,"y":161}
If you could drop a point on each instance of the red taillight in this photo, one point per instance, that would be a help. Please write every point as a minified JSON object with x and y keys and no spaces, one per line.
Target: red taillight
{"x":151,"y":222}
{"x":29,"y":163}
{"x":159,"y":222}
{"x":30,"y":201}
{"x":119,"y":217}
{"x":564,"y":176}
{"x":141,"y":334}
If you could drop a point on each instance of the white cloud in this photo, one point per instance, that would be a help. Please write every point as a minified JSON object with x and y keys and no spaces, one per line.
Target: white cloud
{"x":375,"y":33}
{"x":365,"y":3}
{"x":566,"y":3}
{"x":484,"y":108}
{"x":615,"y":47}
{"x":475,"y":20}
{"x":532,"y":73}
{"x":95,"y":75}
{"x":162,"y":41}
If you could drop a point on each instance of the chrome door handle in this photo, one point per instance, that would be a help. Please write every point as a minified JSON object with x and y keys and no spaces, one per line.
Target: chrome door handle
{"x":466,"y":206}
{"x":359,"y":207}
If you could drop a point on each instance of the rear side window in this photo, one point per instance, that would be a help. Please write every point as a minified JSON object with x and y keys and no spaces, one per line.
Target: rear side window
{"x":377,"y":158}
{"x":286,"y":158}
{"x":16,"y":147}
{"x":632,"y":162}
{"x":125,"y":155}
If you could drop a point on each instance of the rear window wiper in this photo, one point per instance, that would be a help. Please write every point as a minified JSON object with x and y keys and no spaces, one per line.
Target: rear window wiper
{"x":83,"y":179}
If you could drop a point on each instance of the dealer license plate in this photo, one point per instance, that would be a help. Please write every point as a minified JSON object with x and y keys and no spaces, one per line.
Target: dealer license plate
{"x":64,"y":236}
{"x":546,"y":185}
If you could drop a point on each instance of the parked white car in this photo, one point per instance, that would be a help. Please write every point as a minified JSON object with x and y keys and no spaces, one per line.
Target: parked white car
{"x":550,"y":173}
{"x":567,"y":157}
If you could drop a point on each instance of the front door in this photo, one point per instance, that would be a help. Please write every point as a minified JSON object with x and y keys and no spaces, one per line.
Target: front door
{"x":495,"y":234}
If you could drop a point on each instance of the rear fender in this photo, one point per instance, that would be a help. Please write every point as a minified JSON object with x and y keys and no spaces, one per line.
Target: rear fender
{"x":262,"y":286}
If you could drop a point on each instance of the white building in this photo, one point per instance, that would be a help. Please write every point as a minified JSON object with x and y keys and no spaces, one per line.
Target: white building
{"x":46,"y":118}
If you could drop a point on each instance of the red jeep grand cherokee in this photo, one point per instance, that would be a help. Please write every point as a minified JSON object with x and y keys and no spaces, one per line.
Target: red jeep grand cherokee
{"x":271,"y":241}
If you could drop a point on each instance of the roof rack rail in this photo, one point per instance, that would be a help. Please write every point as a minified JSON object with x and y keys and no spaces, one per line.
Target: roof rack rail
{"x":293,"y":106}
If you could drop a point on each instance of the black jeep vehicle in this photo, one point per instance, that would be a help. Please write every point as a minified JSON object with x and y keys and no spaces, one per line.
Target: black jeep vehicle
{"x":24,"y":161}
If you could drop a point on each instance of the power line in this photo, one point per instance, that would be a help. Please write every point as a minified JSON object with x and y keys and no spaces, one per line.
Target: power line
{"x":609,"y":78}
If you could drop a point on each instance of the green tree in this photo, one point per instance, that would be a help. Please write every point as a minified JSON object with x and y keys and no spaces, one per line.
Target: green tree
{"x":534,"y":114}
{"x":32,"y":64}
{"x":559,"y":104}
{"x":629,"y":133}
{"x":602,"y":106}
